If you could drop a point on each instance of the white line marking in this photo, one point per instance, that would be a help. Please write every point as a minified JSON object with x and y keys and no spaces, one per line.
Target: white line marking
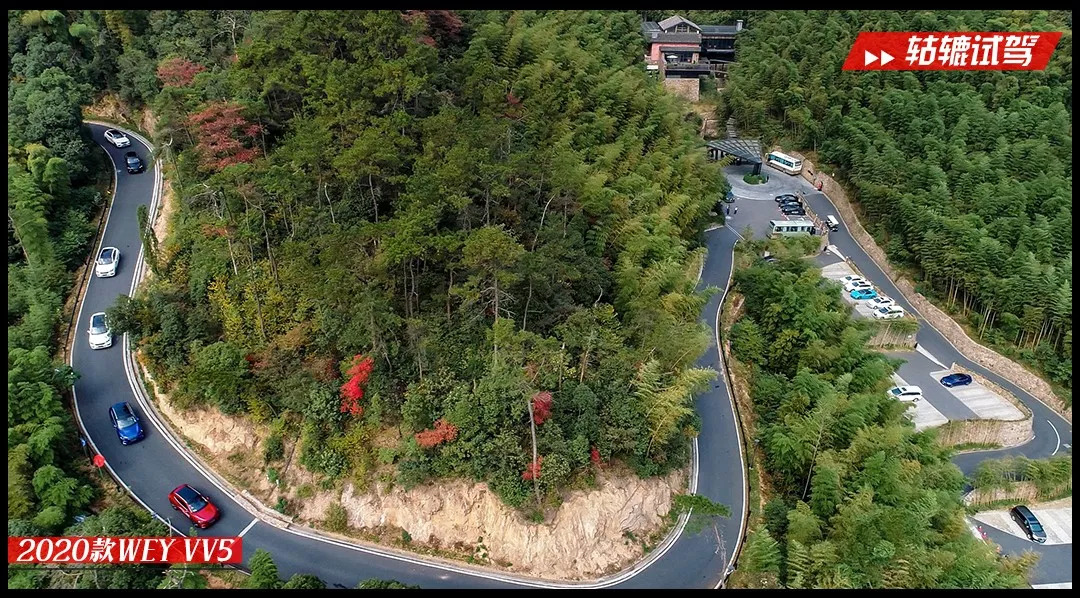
{"x":1058,"y":438}
{"x":735,"y":418}
{"x":144,"y":401}
{"x":919,"y":349}
{"x":923,"y":320}
{"x":249,"y":526}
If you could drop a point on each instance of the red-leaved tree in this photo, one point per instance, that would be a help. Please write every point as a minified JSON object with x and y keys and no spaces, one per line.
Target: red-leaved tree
{"x":224,"y":135}
{"x":178,"y":72}
{"x":541,"y":406}
{"x":532,"y":470}
{"x":443,"y":431}
{"x":595,"y":456}
{"x":352,"y":391}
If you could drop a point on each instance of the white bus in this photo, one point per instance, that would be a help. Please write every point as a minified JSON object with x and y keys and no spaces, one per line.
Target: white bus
{"x":784,"y":162}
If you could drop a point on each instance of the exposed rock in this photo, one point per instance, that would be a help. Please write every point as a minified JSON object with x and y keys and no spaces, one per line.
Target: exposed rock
{"x":584,"y":539}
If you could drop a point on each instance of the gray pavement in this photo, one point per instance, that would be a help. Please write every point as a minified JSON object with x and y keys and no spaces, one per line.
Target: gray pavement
{"x":152,"y":467}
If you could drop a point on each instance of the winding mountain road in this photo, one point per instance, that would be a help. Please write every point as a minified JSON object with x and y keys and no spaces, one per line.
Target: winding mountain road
{"x":151,"y":468}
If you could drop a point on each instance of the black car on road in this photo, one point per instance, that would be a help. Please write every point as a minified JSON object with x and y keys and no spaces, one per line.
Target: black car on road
{"x":1029,"y":523}
{"x":134,"y":163}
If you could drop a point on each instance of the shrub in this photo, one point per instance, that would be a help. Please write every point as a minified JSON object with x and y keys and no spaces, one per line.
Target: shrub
{"x":337,"y":518}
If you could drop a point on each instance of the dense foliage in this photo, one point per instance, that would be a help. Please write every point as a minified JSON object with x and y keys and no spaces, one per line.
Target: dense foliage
{"x":964,"y":176}
{"x":860,"y":499}
{"x":52,"y":197}
{"x":480,"y":206}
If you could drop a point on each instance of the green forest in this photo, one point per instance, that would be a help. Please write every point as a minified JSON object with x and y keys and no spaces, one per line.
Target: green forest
{"x":479,"y":228}
{"x":859,"y":500}
{"x":964,"y":177}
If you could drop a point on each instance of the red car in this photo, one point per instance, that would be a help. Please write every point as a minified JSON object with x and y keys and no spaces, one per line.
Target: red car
{"x":197,"y":507}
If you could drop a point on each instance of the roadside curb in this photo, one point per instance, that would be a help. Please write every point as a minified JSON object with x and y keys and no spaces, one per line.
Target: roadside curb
{"x":262,"y":513}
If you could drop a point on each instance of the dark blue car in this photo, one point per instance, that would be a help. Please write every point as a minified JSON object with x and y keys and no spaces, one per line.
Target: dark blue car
{"x":955,"y":380}
{"x":126,"y":423}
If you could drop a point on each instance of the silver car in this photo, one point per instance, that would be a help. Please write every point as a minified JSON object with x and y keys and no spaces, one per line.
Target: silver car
{"x":117,"y":138}
{"x":107,"y":262}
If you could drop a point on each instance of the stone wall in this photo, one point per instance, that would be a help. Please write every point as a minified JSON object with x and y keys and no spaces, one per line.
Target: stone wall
{"x":988,"y":358}
{"x":687,"y":88}
{"x":985,"y":431}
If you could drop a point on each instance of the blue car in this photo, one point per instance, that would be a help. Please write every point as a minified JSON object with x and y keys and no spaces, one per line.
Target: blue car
{"x":126,"y":423}
{"x":861,"y":294}
{"x":955,"y":380}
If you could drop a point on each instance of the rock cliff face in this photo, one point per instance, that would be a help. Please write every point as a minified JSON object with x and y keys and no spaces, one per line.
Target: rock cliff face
{"x":585,"y":539}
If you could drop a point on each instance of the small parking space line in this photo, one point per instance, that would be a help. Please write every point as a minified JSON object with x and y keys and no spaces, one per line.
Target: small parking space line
{"x":983,"y":402}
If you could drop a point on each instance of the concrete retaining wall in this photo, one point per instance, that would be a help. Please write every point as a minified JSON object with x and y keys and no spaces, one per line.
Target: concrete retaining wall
{"x":988,"y":358}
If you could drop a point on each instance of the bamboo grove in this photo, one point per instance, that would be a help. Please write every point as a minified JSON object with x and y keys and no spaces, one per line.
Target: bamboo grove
{"x":964,"y":177}
{"x":857,"y":498}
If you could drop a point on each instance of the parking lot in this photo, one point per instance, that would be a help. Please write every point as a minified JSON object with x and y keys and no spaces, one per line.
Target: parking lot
{"x":836,"y":271}
{"x":983,"y":402}
{"x":923,"y":414}
{"x":1057,"y":522}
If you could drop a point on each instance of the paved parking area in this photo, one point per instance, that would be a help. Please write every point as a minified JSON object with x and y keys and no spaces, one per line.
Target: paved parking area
{"x":983,"y":402}
{"x":837,"y":271}
{"x":914,"y":370}
{"x":1056,"y":522}
{"x":922,"y":413}
{"x":755,"y":202}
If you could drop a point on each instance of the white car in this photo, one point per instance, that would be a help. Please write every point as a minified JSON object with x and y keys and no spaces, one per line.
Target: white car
{"x":100,"y":335}
{"x":906,"y":393}
{"x":880,"y":301}
{"x":855,"y":285}
{"x":888,"y":313}
{"x":107,"y":261}
{"x":850,"y":277}
{"x":117,"y":138}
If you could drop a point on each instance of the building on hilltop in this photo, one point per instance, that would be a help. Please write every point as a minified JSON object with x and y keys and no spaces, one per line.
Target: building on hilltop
{"x":682,"y":52}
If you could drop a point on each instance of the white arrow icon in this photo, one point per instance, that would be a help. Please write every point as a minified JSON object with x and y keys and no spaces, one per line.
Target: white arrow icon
{"x":869,"y":58}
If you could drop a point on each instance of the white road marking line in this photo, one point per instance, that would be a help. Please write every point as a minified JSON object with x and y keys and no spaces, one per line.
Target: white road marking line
{"x":249,"y":526}
{"x":1058,"y":438}
{"x":919,"y":349}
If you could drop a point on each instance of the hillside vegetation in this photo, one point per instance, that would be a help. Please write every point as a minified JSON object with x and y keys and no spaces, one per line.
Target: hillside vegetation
{"x":965,"y":177}
{"x":858,"y":498}
{"x":479,"y":228}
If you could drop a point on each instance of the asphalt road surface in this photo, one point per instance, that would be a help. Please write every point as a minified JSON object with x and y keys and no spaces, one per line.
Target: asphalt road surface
{"x":153,"y":467}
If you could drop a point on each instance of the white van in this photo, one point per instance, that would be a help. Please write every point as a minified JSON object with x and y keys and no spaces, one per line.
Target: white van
{"x":832,"y":222}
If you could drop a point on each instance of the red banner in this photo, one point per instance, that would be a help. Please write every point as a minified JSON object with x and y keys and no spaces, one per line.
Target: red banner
{"x":125,"y":550}
{"x":952,"y":51}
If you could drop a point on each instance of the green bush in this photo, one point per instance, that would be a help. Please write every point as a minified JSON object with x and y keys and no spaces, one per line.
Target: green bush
{"x":273,"y":448}
{"x":337,"y":518}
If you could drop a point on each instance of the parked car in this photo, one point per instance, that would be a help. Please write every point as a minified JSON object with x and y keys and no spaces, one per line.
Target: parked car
{"x":890,"y":312}
{"x":194,"y":506}
{"x":881,"y":301}
{"x":117,"y":138}
{"x":785,"y":207}
{"x":850,"y":277}
{"x":863,"y":294}
{"x":855,"y":285}
{"x":100,"y":334}
{"x":957,"y":379}
{"x":785,"y":196}
{"x":906,"y":393}
{"x":126,"y":423}
{"x":107,"y":261}
{"x":134,"y":163}
{"x":794,"y":201}
{"x":729,"y":197}
{"x":1029,"y":523}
